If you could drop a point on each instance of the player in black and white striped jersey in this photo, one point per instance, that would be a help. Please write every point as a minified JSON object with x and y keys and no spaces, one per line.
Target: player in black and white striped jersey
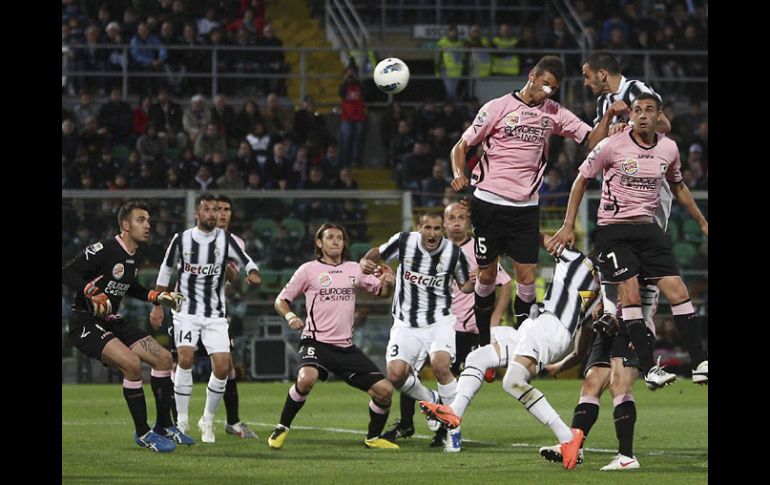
{"x":601,"y":75}
{"x":539,"y":341}
{"x":423,"y":322}
{"x":200,"y":256}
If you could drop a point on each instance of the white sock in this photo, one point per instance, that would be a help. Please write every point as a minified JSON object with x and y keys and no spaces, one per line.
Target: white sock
{"x":214,"y":392}
{"x":547,"y":415}
{"x":183,"y":385}
{"x":447,"y":392}
{"x":472,"y":376}
{"x":416,"y":390}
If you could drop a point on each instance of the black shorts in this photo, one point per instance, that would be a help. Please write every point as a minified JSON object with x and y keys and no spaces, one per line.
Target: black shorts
{"x":500,"y":229}
{"x":89,"y":334}
{"x":465,"y":342}
{"x":606,"y":348}
{"x":348,"y":363}
{"x":630,"y":250}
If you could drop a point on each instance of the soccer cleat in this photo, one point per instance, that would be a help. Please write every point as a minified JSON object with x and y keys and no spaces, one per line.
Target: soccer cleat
{"x":439,"y":439}
{"x":571,"y":449}
{"x":701,"y":373}
{"x":173,"y":433}
{"x":553,"y":453}
{"x":621,"y":462}
{"x":182,"y":423}
{"x":380,"y":443}
{"x":241,"y":430}
{"x":155,"y":442}
{"x":433,"y":424}
{"x":490,"y":374}
{"x":398,"y":430}
{"x":657,"y":377}
{"x":206,"y":428}
{"x":441,"y":412}
{"x":276,"y":439}
{"x":454,"y":441}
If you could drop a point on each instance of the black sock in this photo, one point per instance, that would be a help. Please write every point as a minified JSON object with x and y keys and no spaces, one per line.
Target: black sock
{"x":407,"y":410}
{"x":585,"y":417}
{"x":173,"y":408}
{"x":290,"y":409}
{"x":377,"y":421}
{"x":688,"y":327}
{"x":625,"y":417}
{"x":483,"y":312}
{"x":231,"y":401}
{"x":163,"y":390}
{"x":521,"y":310}
{"x":637,"y":332}
{"x":138,"y":408}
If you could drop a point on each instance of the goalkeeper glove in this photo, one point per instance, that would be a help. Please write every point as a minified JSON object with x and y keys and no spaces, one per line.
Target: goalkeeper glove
{"x":170,"y":299}
{"x":99,"y":302}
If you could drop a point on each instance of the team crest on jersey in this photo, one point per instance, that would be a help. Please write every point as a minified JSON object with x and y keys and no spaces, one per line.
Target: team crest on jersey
{"x":352,"y":280}
{"x":325,"y":279}
{"x":439,"y":268}
{"x":216,"y":251}
{"x":407,"y":260}
{"x":118,"y":270}
{"x":630,"y":166}
{"x":511,"y":119}
{"x":545,"y":123}
{"x":663,"y":168}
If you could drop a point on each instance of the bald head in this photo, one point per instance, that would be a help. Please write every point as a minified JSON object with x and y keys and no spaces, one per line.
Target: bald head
{"x":457,"y":222}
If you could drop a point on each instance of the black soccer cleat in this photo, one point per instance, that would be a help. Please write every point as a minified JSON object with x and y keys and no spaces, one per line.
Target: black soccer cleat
{"x":398,"y":430}
{"x":439,"y":439}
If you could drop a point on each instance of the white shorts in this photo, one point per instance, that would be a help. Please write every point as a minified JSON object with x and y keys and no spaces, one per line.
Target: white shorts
{"x":414,"y":344}
{"x":544,"y":339}
{"x":507,"y":339}
{"x":213,"y":332}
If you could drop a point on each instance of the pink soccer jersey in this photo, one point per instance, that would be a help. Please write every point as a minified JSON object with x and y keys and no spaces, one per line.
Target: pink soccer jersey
{"x":632,"y":176}
{"x":330,"y":298}
{"x":462,"y":303}
{"x":515,"y":141}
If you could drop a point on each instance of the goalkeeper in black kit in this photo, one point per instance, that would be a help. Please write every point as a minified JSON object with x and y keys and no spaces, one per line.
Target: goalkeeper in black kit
{"x":100,"y":276}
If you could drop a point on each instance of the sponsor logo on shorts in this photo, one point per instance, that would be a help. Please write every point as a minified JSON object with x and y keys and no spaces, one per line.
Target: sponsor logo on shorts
{"x":620,"y":272}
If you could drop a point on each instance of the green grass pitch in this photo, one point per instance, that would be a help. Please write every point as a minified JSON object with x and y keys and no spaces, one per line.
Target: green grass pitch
{"x":326,"y":441}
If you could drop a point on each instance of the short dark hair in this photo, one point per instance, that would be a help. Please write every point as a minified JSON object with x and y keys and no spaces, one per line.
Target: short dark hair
{"x":204,"y":196}
{"x":224,"y":198}
{"x":603,"y":60}
{"x":551,"y":64}
{"x":427,"y":214}
{"x":125,"y":210}
{"x":319,"y":234}
{"x":644,"y":96}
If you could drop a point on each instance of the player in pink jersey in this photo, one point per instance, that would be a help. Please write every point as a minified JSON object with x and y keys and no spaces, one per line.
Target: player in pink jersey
{"x":629,"y":243}
{"x":513,"y":130}
{"x":329,"y":284}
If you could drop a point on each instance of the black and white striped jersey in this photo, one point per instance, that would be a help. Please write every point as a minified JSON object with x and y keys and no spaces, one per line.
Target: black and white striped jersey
{"x":628,"y":90}
{"x":574,"y":290}
{"x":424,"y":280}
{"x":199,"y":259}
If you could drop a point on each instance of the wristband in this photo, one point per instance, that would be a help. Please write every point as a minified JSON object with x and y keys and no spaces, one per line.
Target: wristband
{"x":289,"y":316}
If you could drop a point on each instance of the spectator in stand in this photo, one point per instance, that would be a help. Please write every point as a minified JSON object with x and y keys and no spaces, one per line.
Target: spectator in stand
{"x":232,"y":179}
{"x":207,"y":23}
{"x":248,"y":22}
{"x":69,"y":141}
{"x":272,"y":61}
{"x":245,"y":62}
{"x":84,"y":109}
{"x":414,"y":167}
{"x":330,"y":163}
{"x":140,"y":117}
{"x":167,"y":117}
{"x":196,"y":118}
{"x":553,"y":185}
{"x":174,"y":65}
{"x":615,"y":21}
{"x":203,"y":180}
{"x":187,"y":166}
{"x":148,"y":55}
{"x":301,"y":165}
{"x":702,"y":139}
{"x":192,"y":58}
{"x":440,"y":144}
{"x":218,"y":164}
{"x":309,"y":124}
{"x":209,"y":142}
{"x":277,"y":118}
{"x":279,"y":173}
{"x":527,"y":41}
{"x":215,"y":40}
{"x":345,"y":180}
{"x":433,"y":187}
{"x":450,"y":64}
{"x":152,"y":147}
{"x":401,"y":143}
{"x":106,"y":167}
{"x":91,"y":58}
{"x":146,"y":179}
{"x":389,"y":122}
{"x":92,"y":137}
{"x":224,"y":116}
{"x":352,"y":119}
{"x":115,"y":116}
{"x":116,"y":57}
{"x":246,"y":119}
{"x":451,"y":119}
{"x":260,"y":142}
{"x":244,"y":159}
{"x":254,"y":181}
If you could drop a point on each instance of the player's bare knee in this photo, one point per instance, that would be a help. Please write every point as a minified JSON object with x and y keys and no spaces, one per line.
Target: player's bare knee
{"x":397,"y":377}
{"x":305,"y":383}
{"x":488,"y":276}
{"x":382,"y":391}
{"x":443,"y":374}
{"x":165,"y":361}
{"x":132,"y":368}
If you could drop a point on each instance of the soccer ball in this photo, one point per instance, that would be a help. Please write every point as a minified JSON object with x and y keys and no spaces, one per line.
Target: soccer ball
{"x":391,"y":75}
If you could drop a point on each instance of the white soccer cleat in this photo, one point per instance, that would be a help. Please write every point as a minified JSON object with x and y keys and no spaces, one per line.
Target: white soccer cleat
{"x":657,"y":377}
{"x":621,"y":462}
{"x":182,"y":423}
{"x":454,"y":441}
{"x":701,"y":373}
{"x":206,"y":427}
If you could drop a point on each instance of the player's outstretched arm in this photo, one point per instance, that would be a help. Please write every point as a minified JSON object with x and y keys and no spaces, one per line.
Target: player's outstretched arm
{"x":458,"y":155}
{"x":565,"y":236}
{"x":684,"y":197}
{"x":369,"y":261}
{"x":282,"y":307}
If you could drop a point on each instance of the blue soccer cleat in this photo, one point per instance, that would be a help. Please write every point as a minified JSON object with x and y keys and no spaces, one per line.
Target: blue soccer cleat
{"x":155,"y":442}
{"x":175,"y":434}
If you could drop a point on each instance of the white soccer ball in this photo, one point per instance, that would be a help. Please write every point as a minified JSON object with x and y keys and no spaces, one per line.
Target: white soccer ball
{"x":391,"y":75}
